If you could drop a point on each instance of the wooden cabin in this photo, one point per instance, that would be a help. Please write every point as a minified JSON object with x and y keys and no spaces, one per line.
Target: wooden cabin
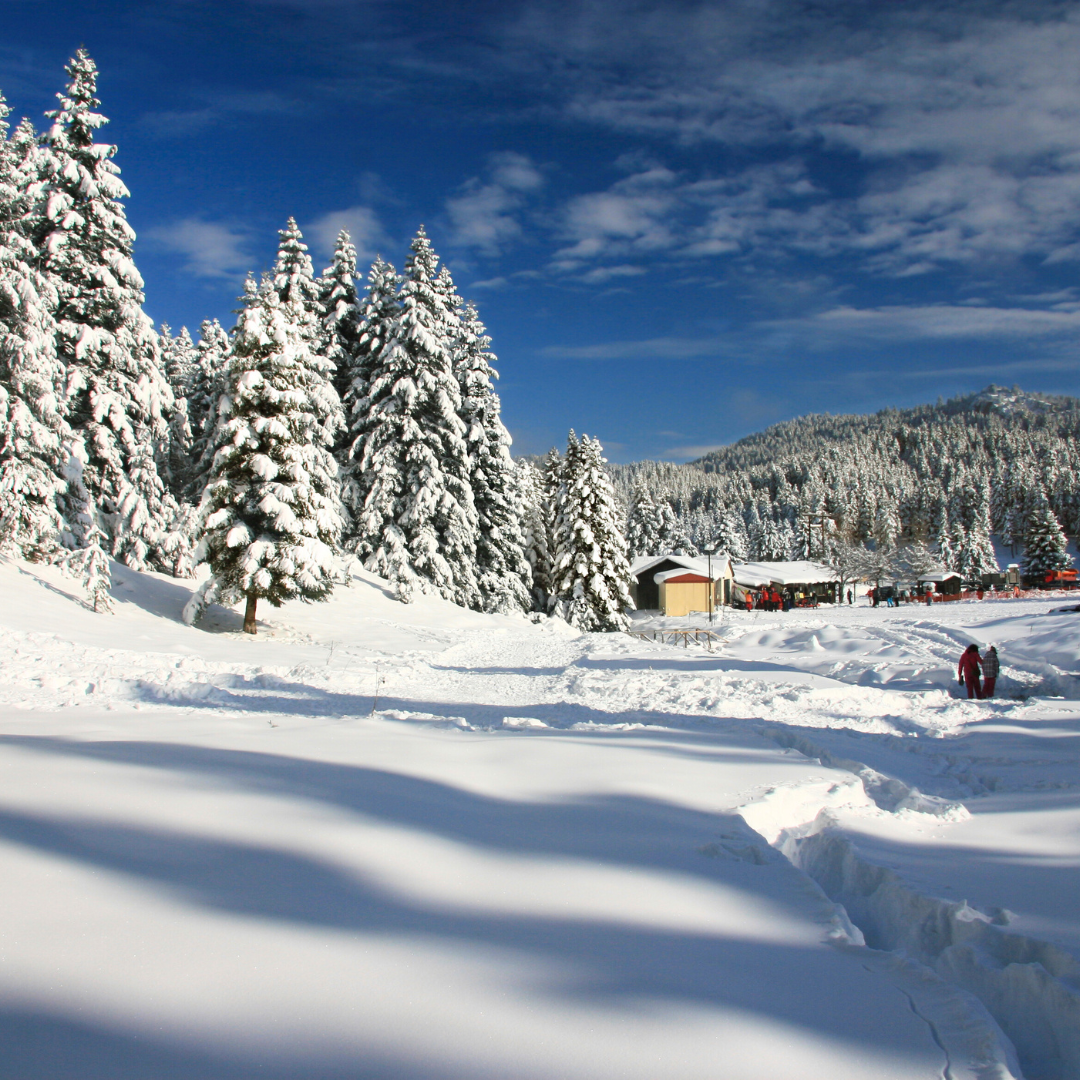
{"x":652,"y":586}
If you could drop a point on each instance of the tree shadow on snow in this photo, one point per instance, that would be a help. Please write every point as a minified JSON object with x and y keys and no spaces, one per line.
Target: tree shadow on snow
{"x":46,"y":1045}
{"x":608,"y":964}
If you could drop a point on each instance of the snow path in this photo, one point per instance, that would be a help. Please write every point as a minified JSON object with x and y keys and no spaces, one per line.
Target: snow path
{"x":547,"y":854}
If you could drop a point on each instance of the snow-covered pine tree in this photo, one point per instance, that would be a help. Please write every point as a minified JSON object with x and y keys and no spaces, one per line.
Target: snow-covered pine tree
{"x":118,"y":400}
{"x":643,"y":523}
{"x":84,"y":556}
{"x":674,"y":537}
{"x":730,"y":533}
{"x":415,"y":522}
{"x":767,"y":542}
{"x":1045,"y":543}
{"x":975,"y":550}
{"x":943,"y":543}
{"x":271,"y":512}
{"x":502,"y":571}
{"x":32,"y":427}
{"x":537,"y":531}
{"x":179,"y":360}
{"x":378,"y":315}
{"x":591,"y":584}
{"x":204,"y":397}
{"x":341,"y":312}
{"x":297,"y":289}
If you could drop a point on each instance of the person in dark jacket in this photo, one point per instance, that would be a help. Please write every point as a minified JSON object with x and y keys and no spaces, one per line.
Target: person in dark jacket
{"x":991,"y":666}
{"x":968,"y":671}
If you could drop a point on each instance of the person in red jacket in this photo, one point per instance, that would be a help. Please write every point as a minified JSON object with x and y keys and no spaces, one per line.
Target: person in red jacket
{"x":968,"y":671}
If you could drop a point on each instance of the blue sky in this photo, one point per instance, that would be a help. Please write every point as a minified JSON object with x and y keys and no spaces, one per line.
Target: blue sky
{"x":680,"y":221}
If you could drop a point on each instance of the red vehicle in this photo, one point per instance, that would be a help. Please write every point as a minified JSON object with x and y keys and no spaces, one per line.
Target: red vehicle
{"x":1062,"y":579}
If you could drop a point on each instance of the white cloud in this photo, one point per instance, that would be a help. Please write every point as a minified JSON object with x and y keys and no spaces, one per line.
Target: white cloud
{"x":485,"y":215}
{"x":845,"y":325}
{"x":963,"y":122}
{"x":662,"y":348}
{"x":182,"y":123}
{"x":362,"y":224}
{"x":211,"y":249}
{"x":606,"y":273}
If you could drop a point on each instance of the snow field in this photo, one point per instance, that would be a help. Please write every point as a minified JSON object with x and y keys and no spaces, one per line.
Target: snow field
{"x":546,"y":853}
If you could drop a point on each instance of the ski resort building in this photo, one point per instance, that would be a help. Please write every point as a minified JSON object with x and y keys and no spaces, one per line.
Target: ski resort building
{"x":680,"y":584}
{"x":804,"y":580}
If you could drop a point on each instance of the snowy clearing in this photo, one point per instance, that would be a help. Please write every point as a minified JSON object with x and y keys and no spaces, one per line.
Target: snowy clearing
{"x":539,"y":853}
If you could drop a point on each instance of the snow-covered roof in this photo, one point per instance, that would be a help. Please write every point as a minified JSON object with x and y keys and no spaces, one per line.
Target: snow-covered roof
{"x":698,"y":564}
{"x":782,"y":573}
{"x":938,"y":577}
{"x":666,"y":575}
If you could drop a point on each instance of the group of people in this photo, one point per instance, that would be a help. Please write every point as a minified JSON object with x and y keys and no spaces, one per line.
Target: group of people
{"x":769,"y":599}
{"x":979,"y":673}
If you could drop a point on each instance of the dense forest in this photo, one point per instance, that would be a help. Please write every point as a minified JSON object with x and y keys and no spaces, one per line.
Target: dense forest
{"x":947,"y":476}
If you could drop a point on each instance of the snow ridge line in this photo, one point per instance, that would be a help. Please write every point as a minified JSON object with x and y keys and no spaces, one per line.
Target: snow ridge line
{"x":972,"y":1042}
{"x":886,"y":792}
{"x":1030,"y":987}
{"x":1027,"y":988}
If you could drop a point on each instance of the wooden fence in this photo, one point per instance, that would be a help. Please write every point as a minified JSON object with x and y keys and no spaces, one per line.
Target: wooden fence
{"x":673,"y":637}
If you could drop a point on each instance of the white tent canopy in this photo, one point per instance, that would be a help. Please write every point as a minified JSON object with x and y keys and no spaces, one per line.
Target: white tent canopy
{"x":756,"y":574}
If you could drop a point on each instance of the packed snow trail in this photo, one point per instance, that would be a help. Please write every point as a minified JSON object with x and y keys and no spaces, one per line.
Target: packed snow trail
{"x":546,"y":854}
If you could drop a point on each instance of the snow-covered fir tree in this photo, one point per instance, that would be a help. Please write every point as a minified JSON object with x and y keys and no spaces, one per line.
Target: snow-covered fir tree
{"x":180,"y":362}
{"x":674,"y":535}
{"x":591,"y":579}
{"x":973,"y":548}
{"x":537,"y":486}
{"x":341,"y":312}
{"x":643,"y":523}
{"x":378,"y":316}
{"x":33,"y":431}
{"x":117,"y":398}
{"x":415,"y":521}
{"x":1045,"y":543}
{"x":84,"y":556}
{"x":502,"y":571}
{"x":729,"y":533}
{"x":271,"y":511}
{"x":203,"y":400}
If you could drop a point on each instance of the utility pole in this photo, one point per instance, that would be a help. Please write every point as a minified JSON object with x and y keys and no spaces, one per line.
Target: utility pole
{"x":711,"y":585}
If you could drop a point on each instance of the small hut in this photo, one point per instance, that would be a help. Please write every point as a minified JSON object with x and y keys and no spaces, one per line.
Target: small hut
{"x":679,"y":584}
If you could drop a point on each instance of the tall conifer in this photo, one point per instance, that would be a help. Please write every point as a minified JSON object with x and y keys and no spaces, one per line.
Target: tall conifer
{"x":118,"y":400}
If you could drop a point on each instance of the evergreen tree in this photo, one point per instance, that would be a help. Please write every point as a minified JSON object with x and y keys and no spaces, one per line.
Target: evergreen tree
{"x":944,"y":544}
{"x":502,"y":571}
{"x":643,"y":523}
{"x":117,"y":399}
{"x":378,"y":316}
{"x":271,"y":511}
{"x":180,"y":360}
{"x":1045,"y":543}
{"x":415,"y":522}
{"x":975,"y":550}
{"x":730,"y":534}
{"x":32,"y":428}
{"x":84,"y":556}
{"x":674,"y":537}
{"x":204,"y":397}
{"x":536,"y":529}
{"x":341,"y":308}
{"x":591,"y":583}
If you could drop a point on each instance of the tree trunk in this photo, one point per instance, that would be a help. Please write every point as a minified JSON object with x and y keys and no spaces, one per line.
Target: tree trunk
{"x":249,"y":613}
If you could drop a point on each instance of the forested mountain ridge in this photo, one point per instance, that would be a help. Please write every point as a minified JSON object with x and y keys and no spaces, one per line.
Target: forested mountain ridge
{"x":947,"y":475}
